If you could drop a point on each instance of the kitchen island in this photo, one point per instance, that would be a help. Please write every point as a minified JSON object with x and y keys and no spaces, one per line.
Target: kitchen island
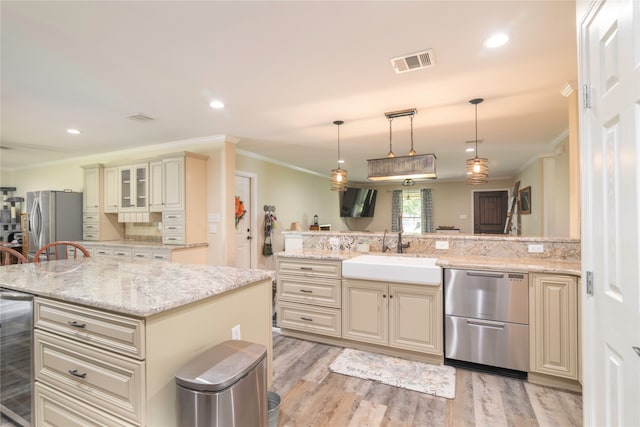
{"x":130,"y":325}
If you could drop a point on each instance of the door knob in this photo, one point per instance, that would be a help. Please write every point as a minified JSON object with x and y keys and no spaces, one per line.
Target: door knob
{"x":248,"y":237}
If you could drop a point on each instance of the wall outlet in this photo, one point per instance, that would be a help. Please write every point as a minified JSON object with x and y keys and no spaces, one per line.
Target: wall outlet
{"x":536,"y":249}
{"x":442,"y":244}
{"x":235,"y":333}
{"x":463,"y":216}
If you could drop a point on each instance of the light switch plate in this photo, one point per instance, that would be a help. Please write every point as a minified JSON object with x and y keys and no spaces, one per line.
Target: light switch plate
{"x":442,"y":244}
{"x":235,"y":333}
{"x":213,"y":228}
{"x":536,"y":249}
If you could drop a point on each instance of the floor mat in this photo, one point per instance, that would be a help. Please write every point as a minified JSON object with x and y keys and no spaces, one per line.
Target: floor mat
{"x":417,"y":376}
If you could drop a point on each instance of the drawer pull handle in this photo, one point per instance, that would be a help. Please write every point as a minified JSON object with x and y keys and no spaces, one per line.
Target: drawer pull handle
{"x":487,"y":324}
{"x":75,"y":373}
{"x":76,"y":324}
{"x":306,"y":291}
{"x":139,"y":256}
{"x":306,"y":268}
{"x":308,"y":319}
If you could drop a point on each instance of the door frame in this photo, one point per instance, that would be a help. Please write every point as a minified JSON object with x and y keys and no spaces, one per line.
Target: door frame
{"x":484,"y":190}
{"x":253,"y":214}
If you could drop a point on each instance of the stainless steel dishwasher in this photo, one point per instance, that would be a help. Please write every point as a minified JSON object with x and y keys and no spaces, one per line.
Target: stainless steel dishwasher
{"x":16,"y":342}
{"x":487,"y":318}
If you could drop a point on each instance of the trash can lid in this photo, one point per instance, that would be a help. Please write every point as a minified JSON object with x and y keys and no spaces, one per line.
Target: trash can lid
{"x":221,"y":366}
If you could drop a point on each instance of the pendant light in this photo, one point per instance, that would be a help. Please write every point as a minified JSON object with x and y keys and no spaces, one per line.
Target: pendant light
{"x":402,"y":168}
{"x":338,"y":175}
{"x":478,"y":167}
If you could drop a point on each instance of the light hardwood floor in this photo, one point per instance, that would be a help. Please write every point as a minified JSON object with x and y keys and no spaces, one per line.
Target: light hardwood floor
{"x":313,"y":396}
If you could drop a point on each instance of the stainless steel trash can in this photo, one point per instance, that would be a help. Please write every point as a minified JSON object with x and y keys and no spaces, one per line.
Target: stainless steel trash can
{"x":226,"y":386}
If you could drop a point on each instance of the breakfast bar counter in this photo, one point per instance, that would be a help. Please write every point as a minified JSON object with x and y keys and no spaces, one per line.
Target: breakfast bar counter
{"x":522,"y":264}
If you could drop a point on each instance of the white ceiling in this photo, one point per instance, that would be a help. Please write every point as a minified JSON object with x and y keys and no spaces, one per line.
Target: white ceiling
{"x":286,"y":71}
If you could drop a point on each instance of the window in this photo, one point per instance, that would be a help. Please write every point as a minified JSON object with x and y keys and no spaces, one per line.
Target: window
{"x":415,"y":207}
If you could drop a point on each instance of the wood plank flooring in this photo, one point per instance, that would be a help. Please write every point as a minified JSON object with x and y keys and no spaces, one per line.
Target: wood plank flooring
{"x":313,"y":396}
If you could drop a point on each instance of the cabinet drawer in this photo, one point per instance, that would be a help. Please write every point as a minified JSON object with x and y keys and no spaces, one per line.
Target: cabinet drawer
{"x":110,"y":331}
{"x":102,"y":252}
{"x":122,"y":253}
{"x":326,"y":292}
{"x":109,"y":381}
{"x":53,"y":408}
{"x":91,"y":227}
{"x":173,"y":239}
{"x":173,"y":216}
{"x":90,"y":218}
{"x":90,"y":235}
{"x":310,"y":268}
{"x":173,"y":228}
{"x":309,"y":318}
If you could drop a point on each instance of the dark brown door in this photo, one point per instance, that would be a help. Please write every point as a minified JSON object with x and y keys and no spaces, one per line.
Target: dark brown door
{"x":490,"y":211}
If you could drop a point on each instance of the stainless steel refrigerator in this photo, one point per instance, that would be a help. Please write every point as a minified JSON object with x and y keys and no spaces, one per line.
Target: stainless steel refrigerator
{"x":53,"y":216}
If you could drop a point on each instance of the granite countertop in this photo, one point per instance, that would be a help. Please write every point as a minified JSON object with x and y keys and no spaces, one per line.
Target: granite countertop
{"x":138,"y":287}
{"x":142,"y":244}
{"x":524,"y":265}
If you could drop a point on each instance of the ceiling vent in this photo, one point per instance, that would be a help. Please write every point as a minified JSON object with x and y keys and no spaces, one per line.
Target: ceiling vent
{"x":139,"y":117}
{"x":413,"y":61}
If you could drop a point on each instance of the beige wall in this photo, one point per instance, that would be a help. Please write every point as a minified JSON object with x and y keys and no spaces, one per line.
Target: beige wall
{"x":451,"y":200}
{"x":297,"y":196}
{"x":531,"y":224}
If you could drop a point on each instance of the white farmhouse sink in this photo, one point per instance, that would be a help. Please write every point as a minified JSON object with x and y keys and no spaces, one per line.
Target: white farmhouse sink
{"x":420,"y":271}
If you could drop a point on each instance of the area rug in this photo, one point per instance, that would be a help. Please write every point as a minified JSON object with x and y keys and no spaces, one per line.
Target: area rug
{"x":417,"y":376}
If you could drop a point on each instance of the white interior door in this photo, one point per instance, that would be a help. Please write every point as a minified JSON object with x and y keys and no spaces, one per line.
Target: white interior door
{"x":610,"y":152}
{"x":246,"y":252}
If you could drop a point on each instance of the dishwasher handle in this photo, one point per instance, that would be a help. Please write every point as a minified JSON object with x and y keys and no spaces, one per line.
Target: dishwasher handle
{"x":15,"y":296}
{"x":477,"y":274}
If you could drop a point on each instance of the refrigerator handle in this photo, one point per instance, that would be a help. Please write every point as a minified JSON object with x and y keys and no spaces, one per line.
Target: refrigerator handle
{"x":35,"y":219}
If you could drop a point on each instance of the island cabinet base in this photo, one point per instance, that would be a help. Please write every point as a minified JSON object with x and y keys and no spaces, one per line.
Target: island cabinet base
{"x":358,"y":345}
{"x":175,"y":337}
{"x":168,"y":340}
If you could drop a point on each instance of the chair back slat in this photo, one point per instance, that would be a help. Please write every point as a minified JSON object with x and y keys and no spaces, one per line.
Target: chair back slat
{"x":52,"y":249}
{"x":11,"y":256}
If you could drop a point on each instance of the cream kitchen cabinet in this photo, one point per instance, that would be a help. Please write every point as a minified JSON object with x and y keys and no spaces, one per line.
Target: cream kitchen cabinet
{"x":184,"y":198}
{"x":111,"y":188}
{"x":156,"y":186}
{"x":129,"y":252}
{"x":309,"y":295}
{"x":89,"y":358}
{"x":397,"y":315}
{"x":95,"y":224}
{"x":173,"y":188}
{"x":92,"y":188}
{"x":553,"y":325}
{"x":134,"y":188}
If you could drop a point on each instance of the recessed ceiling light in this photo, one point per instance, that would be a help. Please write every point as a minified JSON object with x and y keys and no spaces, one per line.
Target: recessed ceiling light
{"x":216,"y":104}
{"x":74,"y":131}
{"x":496,"y":40}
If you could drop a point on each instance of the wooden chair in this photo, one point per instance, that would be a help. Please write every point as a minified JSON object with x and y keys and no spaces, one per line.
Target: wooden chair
{"x":60,"y":250}
{"x":11,"y":256}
